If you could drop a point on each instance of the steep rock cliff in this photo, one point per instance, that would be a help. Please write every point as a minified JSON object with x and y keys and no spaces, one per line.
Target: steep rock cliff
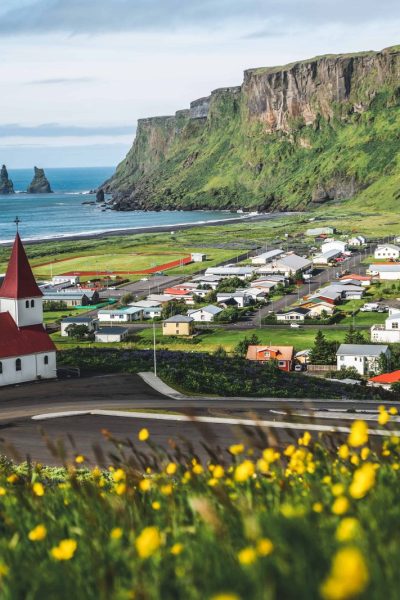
{"x":312,"y":131}
{"x":6,"y":185}
{"x":39,"y":184}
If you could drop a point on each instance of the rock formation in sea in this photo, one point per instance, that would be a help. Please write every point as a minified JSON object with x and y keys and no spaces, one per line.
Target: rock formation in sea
{"x":100,"y":196}
{"x":40,"y":183}
{"x":6,"y":185}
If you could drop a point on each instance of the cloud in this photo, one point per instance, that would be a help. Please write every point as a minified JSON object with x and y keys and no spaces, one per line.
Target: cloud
{"x":61,"y":80}
{"x":105,"y":16}
{"x":57,"y":130}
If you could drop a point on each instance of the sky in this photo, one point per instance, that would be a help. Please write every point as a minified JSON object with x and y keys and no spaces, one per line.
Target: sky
{"x":77,"y":74}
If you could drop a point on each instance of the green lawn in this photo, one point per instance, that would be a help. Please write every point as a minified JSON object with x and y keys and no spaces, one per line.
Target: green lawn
{"x":52,"y":316}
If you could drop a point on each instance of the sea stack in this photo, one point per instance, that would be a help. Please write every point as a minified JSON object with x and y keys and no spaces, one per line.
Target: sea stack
{"x":6,"y":185}
{"x":40,"y":183}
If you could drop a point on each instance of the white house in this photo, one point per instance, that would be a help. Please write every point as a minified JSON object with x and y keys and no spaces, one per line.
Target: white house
{"x":289,"y":265}
{"x":123,"y":315}
{"x":326,"y":257}
{"x":71,"y":279}
{"x":295,"y":314}
{"x":211,"y":281}
{"x":27,"y":352}
{"x":239,"y":297}
{"x":387,"y":251}
{"x":265,"y":257}
{"x":316,"y":231}
{"x":362,"y":357}
{"x":357,"y":240}
{"x":111,"y":334}
{"x":90,"y":323}
{"x":206,"y":314}
{"x":337,"y":245}
{"x":389,"y":332}
{"x":198,"y":257}
{"x":385,"y":272}
{"x":258,"y":294}
{"x":231,"y":271}
{"x":150,"y":308}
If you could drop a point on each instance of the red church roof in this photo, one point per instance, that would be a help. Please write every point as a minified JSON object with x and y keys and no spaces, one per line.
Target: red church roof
{"x":19,"y":281}
{"x":20,"y":342}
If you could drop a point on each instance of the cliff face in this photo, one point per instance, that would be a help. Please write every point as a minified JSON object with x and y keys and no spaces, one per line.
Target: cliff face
{"x":311,"y":131}
{"x":39,"y":183}
{"x":6,"y":185}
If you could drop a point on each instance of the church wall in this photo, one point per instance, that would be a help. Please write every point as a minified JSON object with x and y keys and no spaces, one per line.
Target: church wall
{"x":32,"y":366}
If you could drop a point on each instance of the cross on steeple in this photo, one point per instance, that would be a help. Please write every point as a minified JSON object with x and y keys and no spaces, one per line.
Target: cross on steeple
{"x":17,"y":221}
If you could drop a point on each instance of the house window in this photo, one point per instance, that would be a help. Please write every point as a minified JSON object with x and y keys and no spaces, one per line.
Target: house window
{"x":1,"y":368}
{"x":281,"y":363}
{"x":32,"y":303}
{"x":395,"y":325}
{"x":46,"y":360}
{"x":18,"y":365}
{"x":26,"y":303}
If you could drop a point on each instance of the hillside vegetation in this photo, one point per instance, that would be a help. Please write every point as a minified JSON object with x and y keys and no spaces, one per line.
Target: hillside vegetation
{"x":315,"y":131}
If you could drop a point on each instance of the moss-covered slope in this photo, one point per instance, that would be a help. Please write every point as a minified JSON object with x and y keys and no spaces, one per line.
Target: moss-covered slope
{"x":313,"y":131}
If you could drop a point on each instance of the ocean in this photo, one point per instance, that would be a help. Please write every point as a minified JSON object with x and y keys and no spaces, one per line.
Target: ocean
{"x":63,"y":214}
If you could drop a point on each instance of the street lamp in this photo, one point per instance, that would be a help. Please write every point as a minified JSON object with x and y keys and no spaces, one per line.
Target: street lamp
{"x":154,"y":348}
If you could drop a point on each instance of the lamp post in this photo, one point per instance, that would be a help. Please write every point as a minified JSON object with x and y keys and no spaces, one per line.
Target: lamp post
{"x":154,"y":348}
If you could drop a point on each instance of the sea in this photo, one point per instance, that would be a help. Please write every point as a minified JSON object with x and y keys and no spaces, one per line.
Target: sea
{"x":64,"y":214}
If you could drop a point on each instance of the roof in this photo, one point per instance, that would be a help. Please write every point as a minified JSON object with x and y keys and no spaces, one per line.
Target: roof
{"x":391,"y":246}
{"x":237,"y":294}
{"x":385,"y":268}
{"x":292,"y":261}
{"x":327,"y":255}
{"x":131,"y":310}
{"x":145,"y":304}
{"x":230,"y":271}
{"x":22,"y":341}
{"x":111,"y":330}
{"x":19,"y":281}
{"x":362,"y":349}
{"x":300,"y":310}
{"x":392,"y":377}
{"x":213,"y":310}
{"x":78,"y":320}
{"x":176,"y":292}
{"x":355,"y":277}
{"x":179,"y":319}
{"x":281,"y":352}
{"x":268,"y":255}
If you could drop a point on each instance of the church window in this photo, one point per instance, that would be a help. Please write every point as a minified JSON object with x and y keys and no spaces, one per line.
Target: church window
{"x":46,"y":360}
{"x":1,"y":367}
{"x":32,"y":303}
{"x":18,"y":365}
{"x":27,"y":304}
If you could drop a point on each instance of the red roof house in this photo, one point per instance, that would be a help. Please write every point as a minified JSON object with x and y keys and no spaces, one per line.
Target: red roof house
{"x":282,"y":354}
{"x":386,"y":379}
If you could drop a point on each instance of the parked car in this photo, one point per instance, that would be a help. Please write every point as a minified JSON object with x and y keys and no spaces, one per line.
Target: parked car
{"x":294,"y":325}
{"x":299,"y":367}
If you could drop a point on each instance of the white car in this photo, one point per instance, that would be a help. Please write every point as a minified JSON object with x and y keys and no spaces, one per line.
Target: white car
{"x":294,"y":325}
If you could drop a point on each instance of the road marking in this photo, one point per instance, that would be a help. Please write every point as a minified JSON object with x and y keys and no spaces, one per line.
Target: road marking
{"x":214,"y":421}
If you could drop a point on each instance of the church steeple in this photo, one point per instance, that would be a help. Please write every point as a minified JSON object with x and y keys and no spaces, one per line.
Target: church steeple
{"x":19,"y":281}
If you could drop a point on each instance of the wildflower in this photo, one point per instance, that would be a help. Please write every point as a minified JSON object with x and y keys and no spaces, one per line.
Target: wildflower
{"x":120,"y":489}
{"x":3,"y":491}
{"x":337,"y":489}
{"x":12,"y":478}
{"x":79,"y":459}
{"x":270,"y":455}
{"x":383,"y":417}
{"x":155,"y":505}
{"x":289,"y":450}
{"x":197,"y":469}
{"x":236,"y":449}
{"x":38,"y":533}
{"x":244,"y":471}
{"x":358,"y":434}
{"x":96,"y":473}
{"x":365,"y":452}
{"x":305,"y":440}
{"x":143,"y":435}
{"x":119,"y":475}
{"x":171,"y":469}
{"x":355,"y":460}
{"x":347,"y":530}
{"x":393,"y":410}
{"x":247,"y":556}
{"x":340,"y":506}
{"x":343,"y":451}
{"x":166,"y":489}
{"x":145,"y":485}
{"x":218,"y":472}
{"x":38,"y":489}
{"x":65,"y":550}
{"x":348,"y":576}
{"x":148,"y":542}
{"x":264,"y":547}
{"x":116,"y":533}
{"x":262,"y":466}
{"x":318,"y":507}
{"x":176,"y":549}
{"x":212,"y":482}
{"x":187,"y":476}
{"x":363,"y":481}
{"x":225,"y":596}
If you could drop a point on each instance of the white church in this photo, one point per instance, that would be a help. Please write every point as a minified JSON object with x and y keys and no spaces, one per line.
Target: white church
{"x":27,"y":352}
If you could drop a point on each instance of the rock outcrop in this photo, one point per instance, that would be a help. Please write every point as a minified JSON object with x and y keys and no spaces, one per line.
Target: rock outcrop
{"x":318,"y":130}
{"x":6,"y":185}
{"x":40,"y":183}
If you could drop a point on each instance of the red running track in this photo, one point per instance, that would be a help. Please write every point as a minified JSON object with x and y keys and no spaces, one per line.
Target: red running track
{"x":164,"y":267}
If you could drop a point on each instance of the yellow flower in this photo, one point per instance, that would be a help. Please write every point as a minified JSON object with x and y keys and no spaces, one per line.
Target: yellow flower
{"x":166,"y":489}
{"x":197,"y":469}
{"x":79,"y":459}
{"x":247,"y":556}
{"x":343,"y":451}
{"x":218,"y":472}
{"x":393,"y":410}
{"x":12,"y":478}
{"x":244,"y":471}
{"x":3,"y":491}
{"x":171,"y":469}
{"x":236,"y":449}
{"x":145,"y":485}
{"x":96,"y":473}
{"x":365,"y":452}
{"x":383,"y":417}
{"x":340,"y":506}
{"x":270,"y":455}
{"x":38,"y":533}
{"x":348,"y":576}
{"x":264,"y":547}
{"x":65,"y":550}
{"x":347,"y":530}
{"x":363,"y":481}
{"x":225,"y":596}
{"x":176,"y":549}
{"x":289,"y":450}
{"x":358,"y":434}
{"x":38,"y":489}
{"x":318,"y":507}
{"x":155,"y":505}
{"x":355,"y":460}
{"x":337,"y":489}
{"x":143,"y":435}
{"x":116,"y":533}
{"x":119,"y":475}
{"x":120,"y":489}
{"x":262,"y":466}
{"x":148,"y":542}
{"x":305,"y":440}
{"x":212,"y":482}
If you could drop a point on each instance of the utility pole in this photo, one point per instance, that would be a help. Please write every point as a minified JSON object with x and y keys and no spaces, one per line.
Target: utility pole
{"x":154,"y":348}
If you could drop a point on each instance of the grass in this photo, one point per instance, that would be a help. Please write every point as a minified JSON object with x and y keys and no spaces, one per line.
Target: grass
{"x":263,"y":521}
{"x":51,"y":316}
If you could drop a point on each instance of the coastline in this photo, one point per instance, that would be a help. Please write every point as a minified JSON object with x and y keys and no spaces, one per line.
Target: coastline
{"x":151,"y":229}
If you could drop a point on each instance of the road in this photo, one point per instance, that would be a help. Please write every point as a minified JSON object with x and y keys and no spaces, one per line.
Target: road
{"x":21,"y":437}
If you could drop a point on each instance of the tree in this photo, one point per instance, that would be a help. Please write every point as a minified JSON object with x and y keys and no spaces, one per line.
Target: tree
{"x":230,"y":284}
{"x":126,"y":298}
{"x":172,"y":308}
{"x":323,"y":352}
{"x":242,"y":347}
{"x":383,"y":364}
{"x":354,"y":337}
{"x":79,"y":332}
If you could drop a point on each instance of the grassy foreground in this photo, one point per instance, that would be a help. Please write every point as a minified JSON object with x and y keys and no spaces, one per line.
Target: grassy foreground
{"x":253,"y":523}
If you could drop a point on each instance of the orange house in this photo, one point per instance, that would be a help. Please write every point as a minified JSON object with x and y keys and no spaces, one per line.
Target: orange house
{"x":283,"y":355}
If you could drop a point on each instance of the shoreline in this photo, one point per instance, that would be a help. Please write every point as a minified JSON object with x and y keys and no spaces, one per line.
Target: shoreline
{"x":150,"y":229}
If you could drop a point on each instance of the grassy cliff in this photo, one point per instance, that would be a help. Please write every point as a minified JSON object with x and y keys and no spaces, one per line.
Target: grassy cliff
{"x":310,"y":132}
